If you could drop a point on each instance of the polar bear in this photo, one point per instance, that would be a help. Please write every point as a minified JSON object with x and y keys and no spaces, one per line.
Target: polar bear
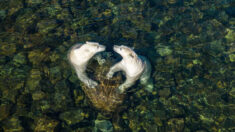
{"x":79,"y":55}
{"x":135,"y":67}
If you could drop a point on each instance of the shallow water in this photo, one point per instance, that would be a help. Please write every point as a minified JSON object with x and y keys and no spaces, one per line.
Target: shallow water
{"x":190,"y":44}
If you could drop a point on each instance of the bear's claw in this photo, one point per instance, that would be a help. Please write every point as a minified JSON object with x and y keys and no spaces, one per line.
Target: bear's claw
{"x":120,"y":89}
{"x":92,"y":84}
{"x":109,"y":75}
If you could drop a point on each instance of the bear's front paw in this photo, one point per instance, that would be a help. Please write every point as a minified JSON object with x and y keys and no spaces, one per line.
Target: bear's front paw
{"x":109,"y":75}
{"x":92,"y":84}
{"x":120,"y":89}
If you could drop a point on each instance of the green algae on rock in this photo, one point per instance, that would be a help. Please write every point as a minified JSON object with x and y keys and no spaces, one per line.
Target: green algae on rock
{"x":55,"y":74}
{"x":103,"y":125}
{"x":19,"y":59}
{"x":2,"y":14}
{"x":4,"y":111}
{"x":38,"y":56}
{"x":7,"y":49}
{"x":232,"y":57}
{"x":164,"y":50}
{"x":38,"y":95}
{"x":12,"y":124}
{"x":45,"y":26}
{"x":230,"y":35}
{"x":72,"y":117}
{"x":33,"y":80}
{"x":175,"y":124}
{"x":45,"y":124}
{"x":232,"y":92}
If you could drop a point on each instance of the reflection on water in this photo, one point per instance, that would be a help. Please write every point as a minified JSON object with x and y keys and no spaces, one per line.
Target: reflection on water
{"x":191,"y":46}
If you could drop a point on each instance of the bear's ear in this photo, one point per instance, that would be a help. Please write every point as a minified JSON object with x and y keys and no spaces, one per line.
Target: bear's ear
{"x":77,"y":46}
{"x":132,"y":55}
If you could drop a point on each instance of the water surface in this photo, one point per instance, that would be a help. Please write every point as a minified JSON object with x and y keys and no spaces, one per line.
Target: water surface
{"x":190,"y":44}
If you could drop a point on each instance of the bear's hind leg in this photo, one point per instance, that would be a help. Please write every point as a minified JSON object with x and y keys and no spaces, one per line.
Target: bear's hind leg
{"x":83,"y":77}
{"x":145,"y":78}
{"x":128,"y":83}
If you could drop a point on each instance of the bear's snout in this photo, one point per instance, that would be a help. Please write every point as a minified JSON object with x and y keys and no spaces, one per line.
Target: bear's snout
{"x":102,"y":47}
{"x":115,"y":48}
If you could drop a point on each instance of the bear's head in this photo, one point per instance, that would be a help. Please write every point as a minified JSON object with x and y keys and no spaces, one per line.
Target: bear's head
{"x":125,"y":52}
{"x":80,"y":54}
{"x":92,"y":47}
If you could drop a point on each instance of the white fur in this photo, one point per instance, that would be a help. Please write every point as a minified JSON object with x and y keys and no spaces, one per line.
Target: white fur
{"x":134,"y":66}
{"x":79,"y":55}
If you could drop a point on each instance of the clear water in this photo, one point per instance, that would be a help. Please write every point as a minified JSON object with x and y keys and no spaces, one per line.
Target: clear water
{"x":190,"y":44}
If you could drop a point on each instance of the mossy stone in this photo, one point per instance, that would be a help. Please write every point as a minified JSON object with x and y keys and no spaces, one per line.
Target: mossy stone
{"x":38,"y":95}
{"x":232,"y":92}
{"x":7,"y":49}
{"x":164,"y":50}
{"x":54,"y":57}
{"x":72,"y":117}
{"x":19,"y":59}
{"x":45,"y":124}
{"x":55,"y":74}
{"x":207,"y":121}
{"x":164,"y":92}
{"x":34,"y":79}
{"x":45,"y":26}
{"x":2,"y":14}
{"x":13,"y":124}
{"x":232,"y":57}
{"x":33,"y":2}
{"x":4,"y":111}
{"x":175,"y":124}
{"x":25,"y":21}
{"x":230,"y":35}
{"x":103,"y":126}
{"x":15,"y":6}
{"x":37,"y":56}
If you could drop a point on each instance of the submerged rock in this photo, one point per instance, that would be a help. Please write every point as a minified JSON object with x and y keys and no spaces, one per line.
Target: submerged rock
{"x":15,"y":6}
{"x":55,"y":74}
{"x":33,"y":80}
{"x":19,"y":59}
{"x":105,"y":96}
{"x":61,"y":97}
{"x":38,"y":56}
{"x":45,"y":26}
{"x":54,"y":56}
{"x":103,"y":126}
{"x":25,"y":21}
{"x":33,"y":2}
{"x":38,"y":95}
{"x":230,"y":35}
{"x":229,"y":123}
{"x":73,"y":116}
{"x":45,"y":124}
{"x":2,"y":59}
{"x":7,"y":49}
{"x":2,"y":14}
{"x":164,"y":50}
{"x":175,"y":124}
{"x":12,"y":124}
{"x":232,"y":57}
{"x":232,"y":92}
{"x":164,"y":92}
{"x":206,"y":121}
{"x":4,"y":111}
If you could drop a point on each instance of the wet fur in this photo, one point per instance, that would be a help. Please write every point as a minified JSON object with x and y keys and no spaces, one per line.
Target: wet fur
{"x":80,"y":64}
{"x":135,"y":67}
